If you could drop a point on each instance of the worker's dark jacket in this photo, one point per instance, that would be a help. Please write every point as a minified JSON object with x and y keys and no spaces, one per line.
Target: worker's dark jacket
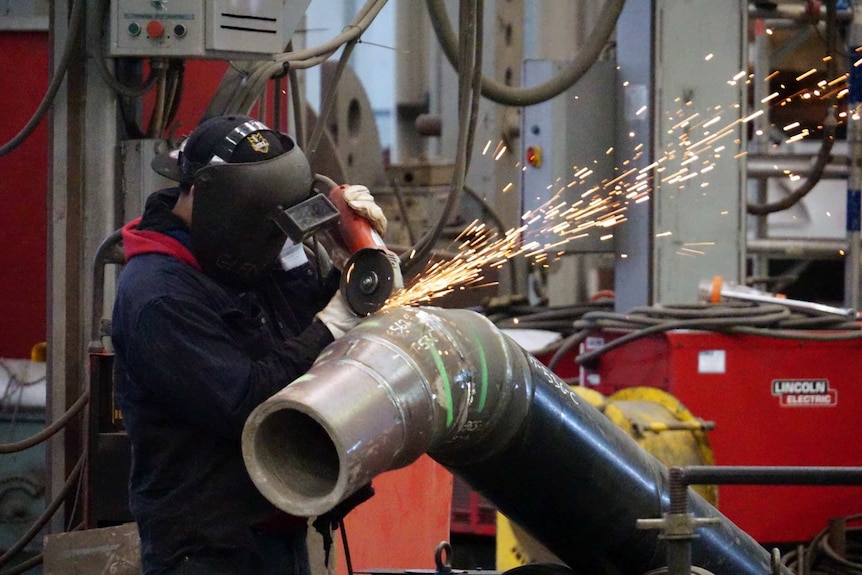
{"x":193,"y":359}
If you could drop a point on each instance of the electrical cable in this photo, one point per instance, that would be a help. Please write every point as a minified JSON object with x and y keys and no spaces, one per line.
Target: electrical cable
{"x":328,"y":101}
{"x":325,"y":180}
{"x":512,"y":96}
{"x":13,"y":395}
{"x":49,"y":431}
{"x":71,"y":513}
{"x":46,"y":515}
{"x":352,"y":31}
{"x":347,"y":560}
{"x":24,"y":566}
{"x":824,"y":155}
{"x":158,"y":114}
{"x":175,"y":79}
{"x":102,"y":67}
{"x":256,"y":84}
{"x":128,"y":117}
{"x":566,"y":345}
{"x":277,"y":95}
{"x":402,"y":210}
{"x":298,"y":107}
{"x":468,"y":94}
{"x":819,"y":557}
{"x":475,"y":82}
{"x":75,"y":23}
{"x":123,"y":89}
{"x":560,"y":319}
{"x":259,"y":74}
{"x":766,"y":320}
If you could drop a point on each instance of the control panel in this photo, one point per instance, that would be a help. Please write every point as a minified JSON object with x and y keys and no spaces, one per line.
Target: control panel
{"x":202,"y":28}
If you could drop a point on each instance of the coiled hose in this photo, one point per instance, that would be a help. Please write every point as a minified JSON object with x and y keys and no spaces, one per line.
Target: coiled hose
{"x":766,"y":320}
{"x":819,"y":556}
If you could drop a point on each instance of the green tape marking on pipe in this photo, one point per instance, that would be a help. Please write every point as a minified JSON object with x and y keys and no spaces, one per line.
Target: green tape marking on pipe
{"x":447,"y":387}
{"x":483,"y":379}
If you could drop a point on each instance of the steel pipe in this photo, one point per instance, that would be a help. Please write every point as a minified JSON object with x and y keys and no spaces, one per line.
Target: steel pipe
{"x":448,"y":383}
{"x":763,"y":166}
{"x":798,"y":248}
{"x":768,"y":475}
{"x":798,"y":13}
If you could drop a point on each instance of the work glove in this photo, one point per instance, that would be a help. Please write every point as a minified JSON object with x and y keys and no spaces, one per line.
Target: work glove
{"x":362,"y":202}
{"x":337,"y":317}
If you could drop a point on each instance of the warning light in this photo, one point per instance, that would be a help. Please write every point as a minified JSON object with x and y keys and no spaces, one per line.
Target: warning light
{"x":534,"y":156}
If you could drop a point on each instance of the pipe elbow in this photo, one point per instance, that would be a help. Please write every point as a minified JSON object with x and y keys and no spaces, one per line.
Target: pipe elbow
{"x":406,"y":382}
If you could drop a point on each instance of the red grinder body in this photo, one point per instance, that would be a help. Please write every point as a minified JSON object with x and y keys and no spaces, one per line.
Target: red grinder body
{"x":373,"y":272}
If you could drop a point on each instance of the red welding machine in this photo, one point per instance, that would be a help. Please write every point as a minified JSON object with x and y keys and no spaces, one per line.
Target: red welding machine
{"x":775,"y":402}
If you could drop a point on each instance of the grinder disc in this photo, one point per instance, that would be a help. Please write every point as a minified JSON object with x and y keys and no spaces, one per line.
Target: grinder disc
{"x":368,"y":280}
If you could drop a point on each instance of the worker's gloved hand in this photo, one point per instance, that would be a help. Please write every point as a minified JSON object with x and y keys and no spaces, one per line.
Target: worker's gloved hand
{"x":337,"y":317}
{"x":362,"y":202}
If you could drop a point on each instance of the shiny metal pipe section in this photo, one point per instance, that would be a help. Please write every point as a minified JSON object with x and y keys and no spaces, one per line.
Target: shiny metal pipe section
{"x":797,"y":13}
{"x":802,"y":248}
{"x":448,"y":383}
{"x":777,"y":166}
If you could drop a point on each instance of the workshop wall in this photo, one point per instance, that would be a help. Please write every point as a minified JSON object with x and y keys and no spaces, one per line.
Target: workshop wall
{"x":23,"y":197}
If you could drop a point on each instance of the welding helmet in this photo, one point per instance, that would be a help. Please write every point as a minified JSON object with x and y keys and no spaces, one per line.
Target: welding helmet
{"x":243,"y":175}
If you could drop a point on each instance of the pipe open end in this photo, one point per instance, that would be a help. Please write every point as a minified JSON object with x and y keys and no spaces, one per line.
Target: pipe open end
{"x":295,"y":463}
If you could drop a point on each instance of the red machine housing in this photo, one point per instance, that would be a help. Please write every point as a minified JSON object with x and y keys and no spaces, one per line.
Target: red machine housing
{"x":774,"y":402}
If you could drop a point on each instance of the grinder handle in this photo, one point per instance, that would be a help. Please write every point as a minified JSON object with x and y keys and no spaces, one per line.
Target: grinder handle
{"x":356,"y":232}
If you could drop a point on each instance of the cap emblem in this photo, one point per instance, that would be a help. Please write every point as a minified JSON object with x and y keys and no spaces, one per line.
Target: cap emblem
{"x":258,"y":142}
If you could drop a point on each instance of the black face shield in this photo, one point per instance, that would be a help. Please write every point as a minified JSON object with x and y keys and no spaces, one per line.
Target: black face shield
{"x":233,"y":231}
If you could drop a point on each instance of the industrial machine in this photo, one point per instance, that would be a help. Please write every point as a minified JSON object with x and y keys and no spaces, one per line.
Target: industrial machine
{"x":772,"y":401}
{"x":194,"y":28}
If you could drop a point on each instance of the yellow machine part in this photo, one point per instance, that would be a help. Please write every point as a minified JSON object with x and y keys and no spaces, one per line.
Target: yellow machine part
{"x":658,"y":422}
{"x":665,"y":428}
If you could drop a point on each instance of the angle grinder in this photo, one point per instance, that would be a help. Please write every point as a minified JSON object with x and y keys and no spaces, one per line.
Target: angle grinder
{"x":372,"y":272}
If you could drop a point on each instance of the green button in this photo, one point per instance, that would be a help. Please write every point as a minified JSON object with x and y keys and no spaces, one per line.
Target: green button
{"x":134,"y":28}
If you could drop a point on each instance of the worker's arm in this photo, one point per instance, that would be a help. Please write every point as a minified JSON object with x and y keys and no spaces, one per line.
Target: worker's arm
{"x":212,"y":367}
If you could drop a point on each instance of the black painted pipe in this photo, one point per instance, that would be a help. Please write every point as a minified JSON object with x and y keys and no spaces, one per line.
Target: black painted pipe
{"x":448,"y":383}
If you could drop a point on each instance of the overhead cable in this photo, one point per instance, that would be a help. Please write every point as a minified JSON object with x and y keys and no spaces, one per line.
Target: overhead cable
{"x":824,"y":155}
{"x":469,"y":79}
{"x":328,"y":101}
{"x":259,"y":73}
{"x":513,"y":96}
{"x":75,"y":23}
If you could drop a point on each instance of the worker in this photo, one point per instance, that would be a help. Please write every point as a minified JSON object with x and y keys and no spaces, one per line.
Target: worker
{"x":215,"y":312}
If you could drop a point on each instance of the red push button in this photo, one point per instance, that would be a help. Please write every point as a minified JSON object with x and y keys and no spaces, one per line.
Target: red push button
{"x":155,"y":29}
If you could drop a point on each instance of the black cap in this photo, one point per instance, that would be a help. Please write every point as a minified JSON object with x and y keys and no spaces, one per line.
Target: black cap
{"x":231,"y":139}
